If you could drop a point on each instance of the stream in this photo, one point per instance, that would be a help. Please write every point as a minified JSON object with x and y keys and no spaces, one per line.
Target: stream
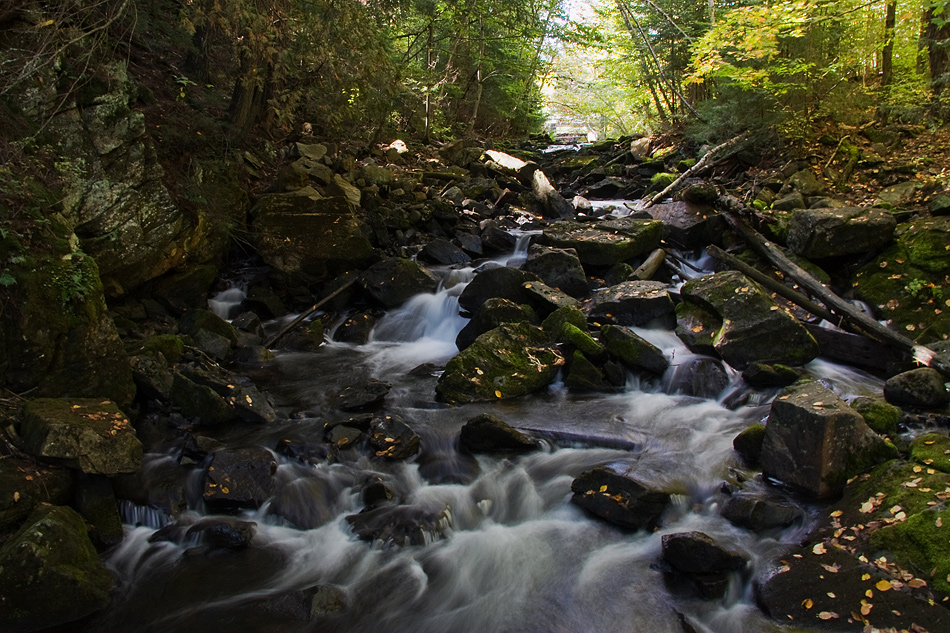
{"x":505,"y":550}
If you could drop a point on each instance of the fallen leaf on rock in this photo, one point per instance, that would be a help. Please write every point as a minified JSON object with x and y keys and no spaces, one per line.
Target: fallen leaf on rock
{"x":834,"y":569}
{"x":883,"y":585}
{"x":827,"y":615}
{"x":819,"y":549}
{"x":807,"y":603}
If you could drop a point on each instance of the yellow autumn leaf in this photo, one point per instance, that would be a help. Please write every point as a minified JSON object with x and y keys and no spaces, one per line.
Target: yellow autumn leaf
{"x":807,"y":603}
{"x":882,"y":585}
{"x":827,"y":615}
{"x":866,"y":607}
{"x":497,"y":394}
{"x":836,"y":513}
{"x":917,"y":583}
{"x":819,"y":549}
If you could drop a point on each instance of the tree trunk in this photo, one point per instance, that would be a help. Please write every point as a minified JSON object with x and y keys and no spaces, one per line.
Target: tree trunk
{"x":887,"y":53}
{"x":939,"y":57}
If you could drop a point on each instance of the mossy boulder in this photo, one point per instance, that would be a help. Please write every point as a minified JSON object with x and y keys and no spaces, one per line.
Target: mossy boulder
{"x":605,"y":243}
{"x":581,"y":341}
{"x":509,"y":361}
{"x":24,"y":484}
{"x":568,"y":314}
{"x":880,"y":415}
{"x":822,"y":233}
{"x":168,"y":345}
{"x":636,"y":353}
{"x":923,"y":387}
{"x":490,"y":315}
{"x":932,"y":450}
{"x":90,"y":435}
{"x":748,"y":444}
{"x":752,"y":327}
{"x":584,"y":375}
{"x":395,"y":280}
{"x":631,"y":303}
{"x":502,"y":282}
{"x":921,"y":542}
{"x":51,"y":572}
{"x":908,"y":283}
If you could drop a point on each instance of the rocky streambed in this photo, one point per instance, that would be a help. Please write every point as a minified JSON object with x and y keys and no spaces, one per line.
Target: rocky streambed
{"x":512,"y":404}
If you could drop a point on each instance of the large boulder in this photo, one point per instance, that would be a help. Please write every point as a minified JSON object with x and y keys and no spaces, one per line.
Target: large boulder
{"x":90,"y":435}
{"x":814,"y":441}
{"x":558,"y":268}
{"x":906,"y":284}
{"x":820,"y":233}
{"x":922,"y":387}
{"x":636,"y":353}
{"x":684,"y":223}
{"x":490,"y":315}
{"x":750,"y":326}
{"x":611,"y":492}
{"x":301,"y":232}
{"x":509,"y":361}
{"x":503,"y":282}
{"x":631,"y":303}
{"x":394,"y":281}
{"x":605,"y":243}
{"x":486,"y":433}
{"x":239,"y":478}
{"x":51,"y":572}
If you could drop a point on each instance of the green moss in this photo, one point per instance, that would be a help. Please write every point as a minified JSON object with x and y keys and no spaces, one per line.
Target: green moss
{"x":584,"y":375}
{"x":749,"y":443}
{"x":660,"y":181}
{"x":880,"y":415}
{"x":565,"y":314}
{"x":581,"y":340}
{"x":168,"y":345}
{"x":919,"y":544}
{"x":933,"y":450}
{"x":889,"y":483}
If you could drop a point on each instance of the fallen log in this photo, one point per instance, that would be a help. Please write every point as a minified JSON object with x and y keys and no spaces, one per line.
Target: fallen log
{"x":872,"y":328}
{"x":854,"y":349}
{"x":648,"y":268}
{"x":303,"y":315}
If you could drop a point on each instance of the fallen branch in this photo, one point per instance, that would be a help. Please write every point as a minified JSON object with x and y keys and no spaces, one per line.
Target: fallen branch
{"x":842,"y":308}
{"x":648,"y":268}
{"x":303,"y":315}
{"x":702,"y":164}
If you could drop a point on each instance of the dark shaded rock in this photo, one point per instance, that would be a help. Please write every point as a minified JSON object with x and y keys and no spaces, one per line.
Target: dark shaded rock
{"x":583,"y":375}
{"x":24,"y":484}
{"x":502,"y":283}
{"x":223,"y":532}
{"x":698,"y":553}
{"x":485,"y":433}
{"x":301,"y":451}
{"x":753,"y":327}
{"x":752,"y":513}
{"x":815,"y":442}
{"x":605,"y":243}
{"x":631,"y":303}
{"x":51,"y":572}
{"x":393,"y":438}
{"x":558,"y":268}
{"x":91,"y":435}
{"x":399,"y":525}
{"x":633,"y":351}
{"x":441,"y":251}
{"x":545,"y":299}
{"x":883,"y":418}
{"x":922,"y":387}
{"x":96,"y":502}
{"x":239,"y":478}
{"x":193,"y":321}
{"x":498,"y":242}
{"x":821,"y":233}
{"x":308,"y":604}
{"x":344,"y":437}
{"x":697,"y":328}
{"x":394,"y":281}
{"x":789,"y":202}
{"x":490,"y":315}
{"x":611,"y":493}
{"x":363,"y":397}
{"x":200,"y":403}
{"x":356,"y":329}
{"x":255,"y":355}
{"x":763,"y":375}
{"x":152,"y":376}
{"x":619,"y":273}
{"x":684,"y":223}
{"x":509,"y":361}
{"x":161,"y":484}
{"x":699,"y":377}
{"x":748,"y":444}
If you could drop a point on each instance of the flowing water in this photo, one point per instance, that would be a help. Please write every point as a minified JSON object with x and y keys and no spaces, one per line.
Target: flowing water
{"x":504,"y":550}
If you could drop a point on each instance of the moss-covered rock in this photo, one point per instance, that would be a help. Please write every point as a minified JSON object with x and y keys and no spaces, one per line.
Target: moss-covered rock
{"x":490,"y":315}
{"x":881,"y":416}
{"x":24,"y":484}
{"x":51,"y":572}
{"x":908,"y":283}
{"x":583,"y":375}
{"x":605,"y":243}
{"x":921,"y":542}
{"x":822,"y":233}
{"x":509,"y":361}
{"x":581,"y":341}
{"x":568,"y":314}
{"x":923,"y":387}
{"x":748,"y":444}
{"x":168,"y":345}
{"x":199,"y":319}
{"x":932,"y":450}
{"x":636,"y":353}
{"x":88,"y":434}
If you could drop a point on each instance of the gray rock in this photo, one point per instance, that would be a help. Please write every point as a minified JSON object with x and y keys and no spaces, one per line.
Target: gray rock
{"x":91,"y":435}
{"x":752,"y":513}
{"x":559,"y":269}
{"x":684,"y":223}
{"x":807,"y":183}
{"x":631,"y":303}
{"x":611,"y":492}
{"x":394,"y":281}
{"x":698,"y":553}
{"x":789,"y":202}
{"x":441,"y":251}
{"x":485,"y":433}
{"x":605,"y":243}
{"x":239,"y":478}
{"x":922,"y":387}
{"x":633,"y":351}
{"x":820,"y":233}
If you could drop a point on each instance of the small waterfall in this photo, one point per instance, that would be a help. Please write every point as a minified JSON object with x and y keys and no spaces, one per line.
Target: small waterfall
{"x":227,"y":303}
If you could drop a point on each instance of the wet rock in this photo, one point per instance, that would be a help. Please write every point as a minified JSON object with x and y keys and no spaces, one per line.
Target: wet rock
{"x":444,"y":252}
{"x":605,"y":243}
{"x":91,"y":435}
{"x":631,"y":303}
{"x":301,"y":451}
{"x":509,"y":361}
{"x":612,"y":493}
{"x":486,"y":433}
{"x":308,"y":604}
{"x":583,"y":375}
{"x":344,"y":437}
{"x":356,"y":328}
{"x":883,"y":418}
{"x":161,"y":484}
{"x":554,"y":322}
{"x":756,"y":514}
{"x":697,"y":328}
{"x":392,"y":438}
{"x":502,"y":283}
{"x":821,"y":233}
{"x":300,"y":233}
{"x":581,"y":341}
{"x":922,"y":387}
{"x":470,"y":244}
{"x":698,"y":553}
{"x":764,"y":376}
{"x":194,"y":321}
{"x":394,"y":281}
{"x":490,"y":315}
{"x":263,"y":301}
{"x":932,"y":450}
{"x":498,"y":242}
{"x":699,"y":377}
{"x":633,"y":351}
{"x":558,"y":268}
{"x":96,"y":502}
{"x":399,"y":525}
{"x":153,"y":377}
{"x":51,"y":572}
{"x":362,"y":397}
{"x":24,"y":484}
{"x":545,"y":299}
{"x":748,"y":444}
{"x":752,"y":328}
{"x":684,"y":223}
{"x":200,"y":402}
{"x":256,"y":355}
{"x":814,"y":441}
{"x":239,"y":478}
{"x":223,"y":532}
